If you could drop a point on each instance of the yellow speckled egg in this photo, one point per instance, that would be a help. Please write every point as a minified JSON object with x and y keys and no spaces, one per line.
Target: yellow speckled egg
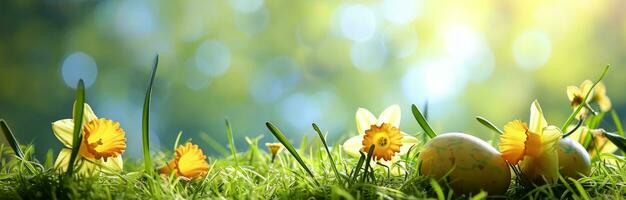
{"x":573,"y":159}
{"x":475,"y":164}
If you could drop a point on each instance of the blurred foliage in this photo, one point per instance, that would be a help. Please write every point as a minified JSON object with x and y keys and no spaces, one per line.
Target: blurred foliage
{"x":298,"y":62}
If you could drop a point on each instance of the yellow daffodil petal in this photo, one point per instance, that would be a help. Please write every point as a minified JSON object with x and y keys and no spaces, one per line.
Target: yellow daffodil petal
{"x":585,"y":87}
{"x":572,"y":92}
{"x":364,"y":119}
{"x":604,"y":103}
{"x":353,"y":145}
{"x":513,"y":141}
{"x":63,"y":130}
{"x":391,"y":116}
{"x":537,"y":121}
{"x":63,"y":160}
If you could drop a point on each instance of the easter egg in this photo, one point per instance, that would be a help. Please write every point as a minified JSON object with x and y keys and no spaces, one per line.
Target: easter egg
{"x":573,"y":159}
{"x":471,"y":164}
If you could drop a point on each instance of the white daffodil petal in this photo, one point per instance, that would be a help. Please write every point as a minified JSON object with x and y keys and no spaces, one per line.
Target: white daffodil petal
{"x":63,"y":160}
{"x":88,"y":114}
{"x":407,"y":142}
{"x":115,"y":164}
{"x":391,"y":115}
{"x":364,"y":119}
{"x":537,"y":121}
{"x":353,"y":145}
{"x":63,"y":130}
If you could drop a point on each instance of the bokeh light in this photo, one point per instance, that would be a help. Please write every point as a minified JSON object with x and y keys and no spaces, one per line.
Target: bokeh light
{"x":79,"y":65}
{"x":532,"y":49}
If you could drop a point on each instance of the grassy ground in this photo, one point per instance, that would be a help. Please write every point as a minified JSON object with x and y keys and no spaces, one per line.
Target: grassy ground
{"x":253,"y":176}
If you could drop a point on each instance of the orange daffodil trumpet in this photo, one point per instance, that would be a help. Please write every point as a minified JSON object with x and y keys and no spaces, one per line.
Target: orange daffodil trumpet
{"x":382,"y":132}
{"x":101,"y":148}
{"x":533,"y":148}
{"x":189,"y":162}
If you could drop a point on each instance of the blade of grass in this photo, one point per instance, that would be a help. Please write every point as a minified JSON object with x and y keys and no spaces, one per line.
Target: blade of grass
{"x":214,"y":144}
{"x":437,"y":188}
{"x":422,"y":122}
{"x":330,"y":156}
{"x":77,"y":135}
{"x":580,"y":107}
{"x":145,"y":119}
{"x":180,"y":133}
{"x":8,"y":135}
{"x":231,"y":143}
{"x":280,"y":137}
{"x":488,"y":124}
{"x":357,"y":169}
{"x":617,"y":122}
{"x":367,"y":163}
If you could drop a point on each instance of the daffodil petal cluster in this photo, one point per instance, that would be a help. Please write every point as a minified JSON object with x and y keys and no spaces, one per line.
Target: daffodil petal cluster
{"x":189,"y":162}
{"x":101,"y":148}
{"x":383,"y":132}
{"x":533,"y":148}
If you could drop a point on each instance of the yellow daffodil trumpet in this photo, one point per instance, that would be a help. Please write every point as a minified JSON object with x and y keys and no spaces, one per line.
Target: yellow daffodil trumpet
{"x":189,"y":162}
{"x":382,"y":132}
{"x":533,"y":148}
{"x":274,"y":148}
{"x":102,"y":146}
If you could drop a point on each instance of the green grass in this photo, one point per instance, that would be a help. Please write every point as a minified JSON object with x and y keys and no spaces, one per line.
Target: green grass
{"x":253,"y":176}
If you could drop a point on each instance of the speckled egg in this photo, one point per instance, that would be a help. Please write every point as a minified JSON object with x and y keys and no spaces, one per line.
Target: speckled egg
{"x":573,"y":159}
{"x":474,"y":164}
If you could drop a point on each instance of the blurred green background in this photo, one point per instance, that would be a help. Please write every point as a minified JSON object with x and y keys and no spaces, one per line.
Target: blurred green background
{"x":297,"y":62}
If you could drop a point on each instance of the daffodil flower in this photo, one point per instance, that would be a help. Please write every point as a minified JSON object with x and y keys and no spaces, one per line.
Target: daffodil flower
{"x":599,"y":96}
{"x":598,"y":142}
{"x":274,"y":148}
{"x":533,"y":148}
{"x":576,"y":95}
{"x":383,"y":132}
{"x":101,"y":148}
{"x":189,"y":162}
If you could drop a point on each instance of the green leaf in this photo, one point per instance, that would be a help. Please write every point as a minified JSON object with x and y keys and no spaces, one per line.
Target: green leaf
{"x":229,"y":133}
{"x":10,"y":138}
{"x":488,"y":124}
{"x":145,"y":119}
{"x":77,"y":136}
{"x":330,"y":156}
{"x":279,"y":135}
{"x":580,"y":107}
{"x":616,"y":139}
{"x":422,"y":122}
